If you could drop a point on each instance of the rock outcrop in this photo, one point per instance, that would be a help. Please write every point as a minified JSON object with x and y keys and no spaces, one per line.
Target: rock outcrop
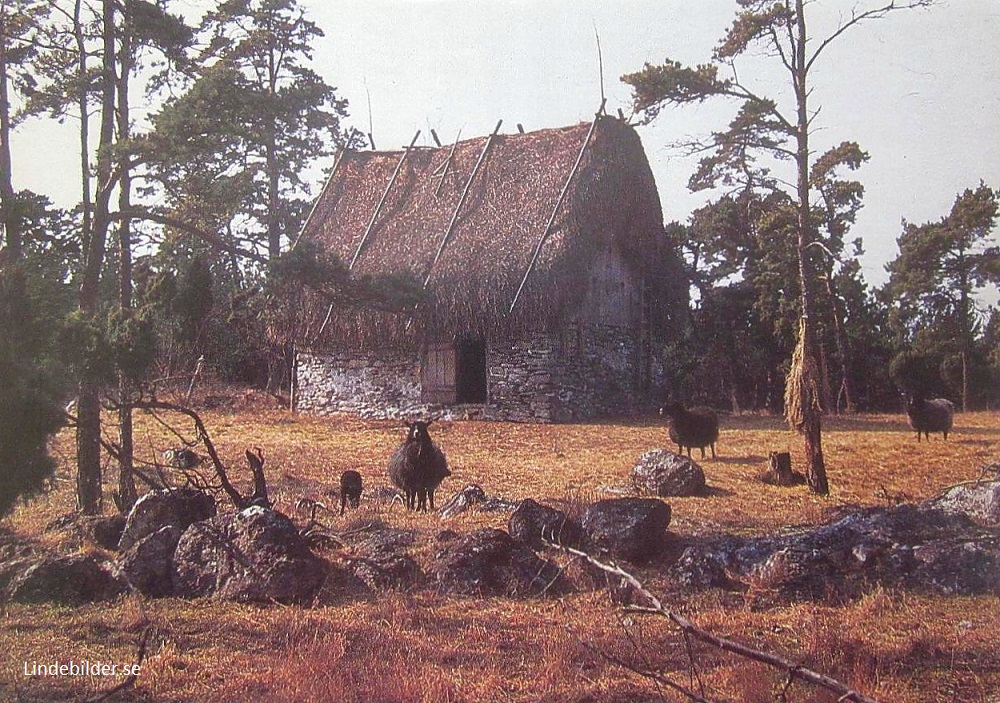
{"x":256,"y":555}
{"x":665,"y":474}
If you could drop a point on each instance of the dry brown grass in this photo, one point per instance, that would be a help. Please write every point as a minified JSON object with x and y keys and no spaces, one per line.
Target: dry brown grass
{"x":422,"y":646}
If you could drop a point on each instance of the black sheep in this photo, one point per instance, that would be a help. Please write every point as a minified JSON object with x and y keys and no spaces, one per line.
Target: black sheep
{"x":418,"y":467}
{"x":350,"y":489}
{"x":928,"y":416}
{"x":694,"y":428}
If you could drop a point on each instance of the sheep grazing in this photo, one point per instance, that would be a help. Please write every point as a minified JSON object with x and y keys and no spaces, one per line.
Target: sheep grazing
{"x":418,"y":467}
{"x":694,"y":428}
{"x":928,"y":416}
{"x":350,"y":489}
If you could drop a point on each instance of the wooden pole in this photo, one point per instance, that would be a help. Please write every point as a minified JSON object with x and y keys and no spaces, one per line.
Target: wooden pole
{"x":555,"y":210}
{"x":326,"y":186}
{"x":381,"y":202}
{"x":461,"y":201}
{"x":447,"y":164}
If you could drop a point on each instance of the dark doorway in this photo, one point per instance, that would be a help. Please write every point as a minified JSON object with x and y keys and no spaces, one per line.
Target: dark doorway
{"x":470,"y":371}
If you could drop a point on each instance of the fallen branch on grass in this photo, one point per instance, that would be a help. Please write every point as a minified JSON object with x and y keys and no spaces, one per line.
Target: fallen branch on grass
{"x":129,"y":682}
{"x":791,"y":669}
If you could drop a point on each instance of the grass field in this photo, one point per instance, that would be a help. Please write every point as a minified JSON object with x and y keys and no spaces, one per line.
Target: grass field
{"x":423,"y":646}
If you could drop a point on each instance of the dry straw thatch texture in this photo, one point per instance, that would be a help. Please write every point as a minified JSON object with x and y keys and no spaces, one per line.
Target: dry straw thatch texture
{"x":611,"y":202}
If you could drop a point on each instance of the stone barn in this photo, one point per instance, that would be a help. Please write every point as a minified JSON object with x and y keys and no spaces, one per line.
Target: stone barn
{"x":548,"y":288}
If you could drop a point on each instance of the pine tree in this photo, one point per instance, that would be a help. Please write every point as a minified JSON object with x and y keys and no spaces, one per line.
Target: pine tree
{"x":764,"y":129}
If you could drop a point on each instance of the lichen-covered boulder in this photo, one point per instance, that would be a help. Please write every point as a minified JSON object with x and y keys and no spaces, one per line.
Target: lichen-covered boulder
{"x":662,"y":473}
{"x":491,"y":563}
{"x":979,"y":500}
{"x":180,"y":507}
{"x":473,"y":496}
{"x":71,"y":580}
{"x":147,"y":564}
{"x":903,"y":546}
{"x":536,"y":525}
{"x":633,"y":529}
{"x":256,"y":555}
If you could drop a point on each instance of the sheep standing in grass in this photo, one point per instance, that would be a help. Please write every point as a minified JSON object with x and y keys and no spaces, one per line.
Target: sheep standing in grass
{"x":928,"y":416}
{"x":350,"y":489}
{"x":418,"y":467}
{"x":694,"y":428}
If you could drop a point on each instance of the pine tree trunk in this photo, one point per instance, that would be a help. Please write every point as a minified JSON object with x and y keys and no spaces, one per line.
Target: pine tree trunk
{"x":843,"y":347}
{"x":811,"y":416}
{"x":12,"y":228}
{"x":88,"y":448}
{"x":127,"y":494}
{"x":88,"y":431}
{"x":86,"y":198}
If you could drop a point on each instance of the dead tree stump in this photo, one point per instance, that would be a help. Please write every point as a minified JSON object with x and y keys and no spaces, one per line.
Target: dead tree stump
{"x":779,"y":471}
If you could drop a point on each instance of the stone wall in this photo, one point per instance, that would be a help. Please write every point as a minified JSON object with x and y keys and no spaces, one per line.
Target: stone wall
{"x":584,"y":372}
{"x":370,"y":385}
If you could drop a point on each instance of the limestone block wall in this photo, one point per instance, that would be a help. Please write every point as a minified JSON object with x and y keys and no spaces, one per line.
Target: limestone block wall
{"x":370,"y":385}
{"x":584,"y":372}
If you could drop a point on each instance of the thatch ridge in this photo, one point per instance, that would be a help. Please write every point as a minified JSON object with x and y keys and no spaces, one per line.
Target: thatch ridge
{"x":612,"y":201}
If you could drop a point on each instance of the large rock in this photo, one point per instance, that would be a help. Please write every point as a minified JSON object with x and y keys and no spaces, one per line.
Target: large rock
{"x":16,"y":555}
{"x":382,"y":571}
{"x":180,"y":507}
{"x":536,"y":525}
{"x":633,"y":529}
{"x":103,"y":530}
{"x":979,"y":500}
{"x":381,"y":561}
{"x":473,"y":496}
{"x":71,"y":580}
{"x":491,"y":563}
{"x":256,"y":555}
{"x":147,"y":564}
{"x":665,"y":474}
{"x":907,"y":545}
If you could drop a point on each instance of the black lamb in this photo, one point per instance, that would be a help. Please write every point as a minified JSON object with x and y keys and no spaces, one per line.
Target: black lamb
{"x":418,"y":467}
{"x":928,"y":416}
{"x":350,"y":489}
{"x":694,"y":428}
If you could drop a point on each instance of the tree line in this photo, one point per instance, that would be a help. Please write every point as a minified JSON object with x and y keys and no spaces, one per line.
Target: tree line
{"x":194,"y":141}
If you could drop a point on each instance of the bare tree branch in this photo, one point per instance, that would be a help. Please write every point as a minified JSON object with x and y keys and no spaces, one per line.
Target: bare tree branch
{"x":237,"y":499}
{"x":138,"y":213}
{"x":793,"y":670}
{"x":654,"y":676}
{"x":129,"y":682}
{"x":874,"y":13}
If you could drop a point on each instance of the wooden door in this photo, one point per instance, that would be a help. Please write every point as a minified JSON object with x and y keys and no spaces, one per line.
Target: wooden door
{"x":437,"y":374}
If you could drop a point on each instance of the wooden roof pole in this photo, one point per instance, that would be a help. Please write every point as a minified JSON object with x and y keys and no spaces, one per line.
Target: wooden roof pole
{"x":326,"y":186}
{"x":447,"y":164}
{"x":381,"y":202}
{"x":461,"y":201}
{"x":555,"y":210}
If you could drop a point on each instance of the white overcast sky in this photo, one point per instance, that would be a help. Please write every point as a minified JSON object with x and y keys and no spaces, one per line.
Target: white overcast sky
{"x":919,"y":90}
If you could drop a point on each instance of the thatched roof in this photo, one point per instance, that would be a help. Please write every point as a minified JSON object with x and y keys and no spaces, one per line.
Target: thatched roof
{"x":611,"y":201}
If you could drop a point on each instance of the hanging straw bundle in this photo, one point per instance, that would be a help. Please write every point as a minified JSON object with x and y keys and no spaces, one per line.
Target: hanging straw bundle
{"x":802,"y":387}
